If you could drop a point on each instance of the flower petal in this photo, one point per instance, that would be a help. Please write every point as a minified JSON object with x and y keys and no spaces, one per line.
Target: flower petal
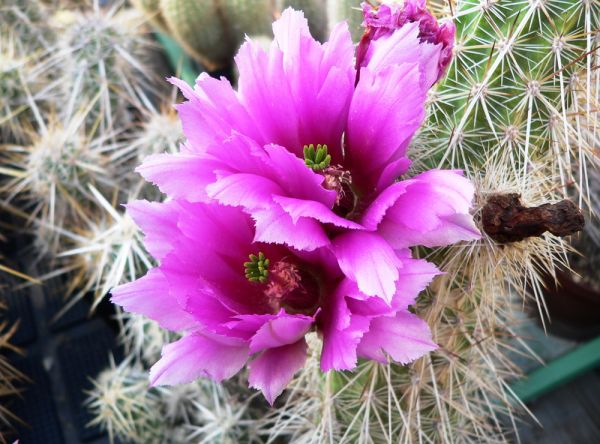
{"x":433,"y":211}
{"x":386,"y":109}
{"x":285,"y":329}
{"x":211,"y":112}
{"x":392,"y":171}
{"x":247,"y":190}
{"x":368,"y":260}
{"x":240,"y":154}
{"x":415,"y":275}
{"x":299,"y":91}
{"x":149,"y":295}
{"x":404,"y":337}
{"x":208,"y":308}
{"x":179,"y":175}
{"x":274,"y":368}
{"x":342,"y":331}
{"x":196,"y":355}
{"x":208,"y":259}
{"x":297,"y":209}
{"x":407,"y":32}
{"x":404,"y":46}
{"x":276,"y":226}
{"x":376,"y":211}
{"x":297,"y":179}
{"x":158,"y":222}
{"x":340,"y":346}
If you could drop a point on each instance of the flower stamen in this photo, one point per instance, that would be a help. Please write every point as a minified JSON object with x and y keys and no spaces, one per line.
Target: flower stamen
{"x":318,"y":159}
{"x":292,"y":288}
{"x":257,"y":269}
{"x":340,"y":181}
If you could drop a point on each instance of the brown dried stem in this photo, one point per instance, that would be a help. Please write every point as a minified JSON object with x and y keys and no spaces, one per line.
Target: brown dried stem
{"x":506,"y":220}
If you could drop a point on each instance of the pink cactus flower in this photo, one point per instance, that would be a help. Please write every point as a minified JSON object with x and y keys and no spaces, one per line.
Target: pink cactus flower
{"x":238,"y":300}
{"x":382,"y":37}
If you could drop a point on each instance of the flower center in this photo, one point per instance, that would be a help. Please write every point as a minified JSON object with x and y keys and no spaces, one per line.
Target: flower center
{"x":336,"y":178}
{"x":292,"y":288}
{"x":287,"y":285}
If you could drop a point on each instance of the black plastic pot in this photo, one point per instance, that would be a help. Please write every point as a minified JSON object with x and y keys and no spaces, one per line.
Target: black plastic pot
{"x":574,"y":307}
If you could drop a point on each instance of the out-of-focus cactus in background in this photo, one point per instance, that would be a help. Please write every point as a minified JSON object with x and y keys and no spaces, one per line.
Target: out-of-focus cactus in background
{"x":213,"y":31}
{"x":13,"y":95}
{"x":152,"y":12}
{"x":9,"y":378}
{"x":349,"y":11}
{"x":583,"y":117}
{"x":51,"y":176}
{"x":125,"y":406}
{"x":104,"y":56}
{"x":70,"y":126}
{"x":28,"y":23}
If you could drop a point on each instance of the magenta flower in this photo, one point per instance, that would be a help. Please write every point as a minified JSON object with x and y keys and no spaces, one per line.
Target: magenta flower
{"x":381,"y":39}
{"x":258,"y":147}
{"x":237,"y":299}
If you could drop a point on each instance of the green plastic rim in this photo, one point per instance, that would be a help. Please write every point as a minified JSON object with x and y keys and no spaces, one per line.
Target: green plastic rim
{"x":558,"y":372}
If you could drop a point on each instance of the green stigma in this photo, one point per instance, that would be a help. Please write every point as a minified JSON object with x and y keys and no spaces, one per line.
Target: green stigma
{"x":316,"y":159}
{"x":257,"y":269}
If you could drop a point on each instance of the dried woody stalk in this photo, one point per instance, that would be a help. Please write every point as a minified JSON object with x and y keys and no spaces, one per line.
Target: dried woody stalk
{"x":506,"y":220}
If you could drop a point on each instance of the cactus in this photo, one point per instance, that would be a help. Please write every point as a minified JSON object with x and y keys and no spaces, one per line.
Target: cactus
{"x":67,"y":119}
{"x":142,"y":338}
{"x":151,"y":10}
{"x":160,"y":132}
{"x":24,"y":81}
{"x":587,"y":244}
{"x":213,"y":31}
{"x":511,"y":99}
{"x":226,"y":413}
{"x":104,"y":251}
{"x":315,"y":12}
{"x":502,"y":115}
{"x":203,"y":411}
{"x":13,"y":96}
{"x":10,"y":379}
{"x":50,"y":175}
{"x":349,"y":11}
{"x":103,"y":54}
{"x":512,"y":114}
{"x":123,"y":405}
{"x":510,"y":83}
{"x":29,"y":21}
